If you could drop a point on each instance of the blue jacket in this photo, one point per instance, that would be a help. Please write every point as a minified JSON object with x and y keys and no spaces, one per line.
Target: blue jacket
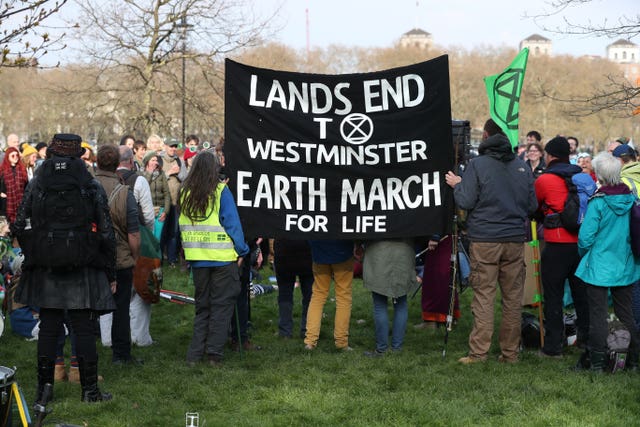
{"x":604,"y":241}
{"x":331,"y":251}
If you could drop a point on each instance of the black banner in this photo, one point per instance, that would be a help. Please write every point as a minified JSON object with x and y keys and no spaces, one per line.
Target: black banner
{"x":340,"y":156}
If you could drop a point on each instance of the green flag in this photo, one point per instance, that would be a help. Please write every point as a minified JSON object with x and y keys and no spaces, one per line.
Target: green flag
{"x":503,"y":91}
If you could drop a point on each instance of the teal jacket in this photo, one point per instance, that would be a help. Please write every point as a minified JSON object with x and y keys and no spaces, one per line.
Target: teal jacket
{"x":604,"y":240}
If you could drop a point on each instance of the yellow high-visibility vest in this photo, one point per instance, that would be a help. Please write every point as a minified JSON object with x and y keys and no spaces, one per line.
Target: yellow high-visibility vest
{"x":207,"y":240}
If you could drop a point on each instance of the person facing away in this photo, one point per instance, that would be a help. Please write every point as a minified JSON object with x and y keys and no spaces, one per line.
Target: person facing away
{"x":560,"y":257}
{"x":214,"y":245}
{"x":76,"y":275}
{"x":332,"y":260}
{"x":608,"y":264}
{"x":497,"y":191}
{"x":124,"y":215}
{"x":389,"y":272}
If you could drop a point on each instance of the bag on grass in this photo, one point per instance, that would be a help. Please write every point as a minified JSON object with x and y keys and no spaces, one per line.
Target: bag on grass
{"x":618,"y":342}
{"x":530,"y":330}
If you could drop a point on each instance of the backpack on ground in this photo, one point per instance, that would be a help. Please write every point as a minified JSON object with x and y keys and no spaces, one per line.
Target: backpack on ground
{"x":618,"y":342}
{"x":530,"y":330}
{"x":64,"y":231}
{"x":580,"y":187}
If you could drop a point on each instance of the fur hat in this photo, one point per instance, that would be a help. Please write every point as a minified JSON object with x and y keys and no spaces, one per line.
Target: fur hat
{"x":66,"y":145}
{"x":558,"y":147}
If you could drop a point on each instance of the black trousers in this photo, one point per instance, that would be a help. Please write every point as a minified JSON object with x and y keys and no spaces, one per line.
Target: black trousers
{"x":599,"y":312}
{"x":121,"y":324}
{"x":559,"y":263}
{"x":83,"y":324}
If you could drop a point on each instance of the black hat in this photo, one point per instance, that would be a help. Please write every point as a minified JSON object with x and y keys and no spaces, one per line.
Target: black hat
{"x":558,"y":147}
{"x":40,"y":145}
{"x":66,"y":145}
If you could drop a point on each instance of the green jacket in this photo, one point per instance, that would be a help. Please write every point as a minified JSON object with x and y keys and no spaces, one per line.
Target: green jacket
{"x":389,"y":267}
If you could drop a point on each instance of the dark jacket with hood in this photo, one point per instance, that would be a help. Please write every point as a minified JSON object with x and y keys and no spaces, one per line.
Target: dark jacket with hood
{"x":497,"y":191}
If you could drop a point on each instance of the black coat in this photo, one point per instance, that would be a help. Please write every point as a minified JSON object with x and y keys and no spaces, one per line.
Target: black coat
{"x":82,"y":288}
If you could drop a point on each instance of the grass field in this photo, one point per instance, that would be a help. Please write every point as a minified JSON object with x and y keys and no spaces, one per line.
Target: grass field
{"x":284,"y":385}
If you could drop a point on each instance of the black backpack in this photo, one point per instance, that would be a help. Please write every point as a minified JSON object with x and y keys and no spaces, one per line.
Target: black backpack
{"x":63,"y":217}
{"x":580,"y":187}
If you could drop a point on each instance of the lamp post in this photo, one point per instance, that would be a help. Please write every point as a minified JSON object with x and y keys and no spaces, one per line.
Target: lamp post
{"x":184,"y":27}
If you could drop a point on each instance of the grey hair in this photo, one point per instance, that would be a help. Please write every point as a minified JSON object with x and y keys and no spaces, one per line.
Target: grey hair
{"x":607,"y":168}
{"x":125,"y":154}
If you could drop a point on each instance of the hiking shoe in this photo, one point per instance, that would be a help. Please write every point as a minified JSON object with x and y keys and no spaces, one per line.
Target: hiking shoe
{"x":426,"y":325}
{"x":215,"y":360}
{"x":468,"y":360}
{"x":502,"y":359}
{"x":541,"y":353}
{"x":374,"y":353}
{"x":346,"y":349}
{"x":309,"y":347}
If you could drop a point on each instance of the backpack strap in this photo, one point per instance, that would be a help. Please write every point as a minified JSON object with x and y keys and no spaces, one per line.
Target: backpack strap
{"x":115,"y":192}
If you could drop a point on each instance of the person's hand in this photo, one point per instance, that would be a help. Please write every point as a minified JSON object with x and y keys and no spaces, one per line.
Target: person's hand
{"x":114,"y":286}
{"x":240,"y":261}
{"x":358,"y":252}
{"x":452,"y":179}
{"x":175,"y":169}
{"x":162,"y":217}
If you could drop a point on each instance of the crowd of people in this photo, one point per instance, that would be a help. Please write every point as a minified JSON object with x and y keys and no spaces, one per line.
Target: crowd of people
{"x":100,"y":201}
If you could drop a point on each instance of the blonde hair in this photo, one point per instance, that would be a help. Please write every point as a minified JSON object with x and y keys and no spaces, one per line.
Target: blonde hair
{"x":154,"y":142}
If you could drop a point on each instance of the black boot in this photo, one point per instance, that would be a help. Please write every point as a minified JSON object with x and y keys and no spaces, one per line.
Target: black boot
{"x":46,"y":368}
{"x":89,"y":381}
{"x":584,"y":363}
{"x":598,"y":361}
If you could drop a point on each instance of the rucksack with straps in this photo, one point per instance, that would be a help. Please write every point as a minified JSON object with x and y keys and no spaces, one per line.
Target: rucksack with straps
{"x":580,"y":187}
{"x":63,"y":217}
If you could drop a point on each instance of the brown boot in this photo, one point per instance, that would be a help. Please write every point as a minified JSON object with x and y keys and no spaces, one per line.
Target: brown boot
{"x":59,"y":374}
{"x":74,"y":375}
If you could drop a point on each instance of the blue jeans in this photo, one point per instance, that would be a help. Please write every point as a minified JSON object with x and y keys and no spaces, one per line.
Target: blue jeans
{"x":381,"y":319}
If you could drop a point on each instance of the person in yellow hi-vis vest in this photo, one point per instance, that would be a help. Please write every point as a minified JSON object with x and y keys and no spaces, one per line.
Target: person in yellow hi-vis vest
{"x":214,"y":245}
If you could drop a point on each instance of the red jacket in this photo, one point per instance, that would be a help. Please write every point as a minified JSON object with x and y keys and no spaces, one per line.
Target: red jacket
{"x":551,"y":192}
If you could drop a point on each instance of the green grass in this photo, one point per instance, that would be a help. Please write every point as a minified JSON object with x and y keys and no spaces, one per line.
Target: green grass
{"x":284,"y":385}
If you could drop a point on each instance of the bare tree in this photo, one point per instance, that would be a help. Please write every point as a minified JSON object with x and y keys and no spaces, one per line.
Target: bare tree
{"x":619,"y":94}
{"x":137,"y":51}
{"x":23,"y":38}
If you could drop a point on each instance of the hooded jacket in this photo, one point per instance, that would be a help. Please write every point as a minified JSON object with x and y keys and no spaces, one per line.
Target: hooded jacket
{"x":604,"y":240}
{"x":497,"y":191}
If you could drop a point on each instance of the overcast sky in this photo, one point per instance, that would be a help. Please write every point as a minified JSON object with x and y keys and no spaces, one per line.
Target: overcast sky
{"x":452,"y":23}
{"x":466,"y":23}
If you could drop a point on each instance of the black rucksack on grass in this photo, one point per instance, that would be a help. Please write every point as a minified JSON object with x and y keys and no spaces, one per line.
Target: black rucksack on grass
{"x":63,"y":217}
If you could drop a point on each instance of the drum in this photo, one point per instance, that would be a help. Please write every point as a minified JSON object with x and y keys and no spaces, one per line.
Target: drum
{"x":6,"y":394}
